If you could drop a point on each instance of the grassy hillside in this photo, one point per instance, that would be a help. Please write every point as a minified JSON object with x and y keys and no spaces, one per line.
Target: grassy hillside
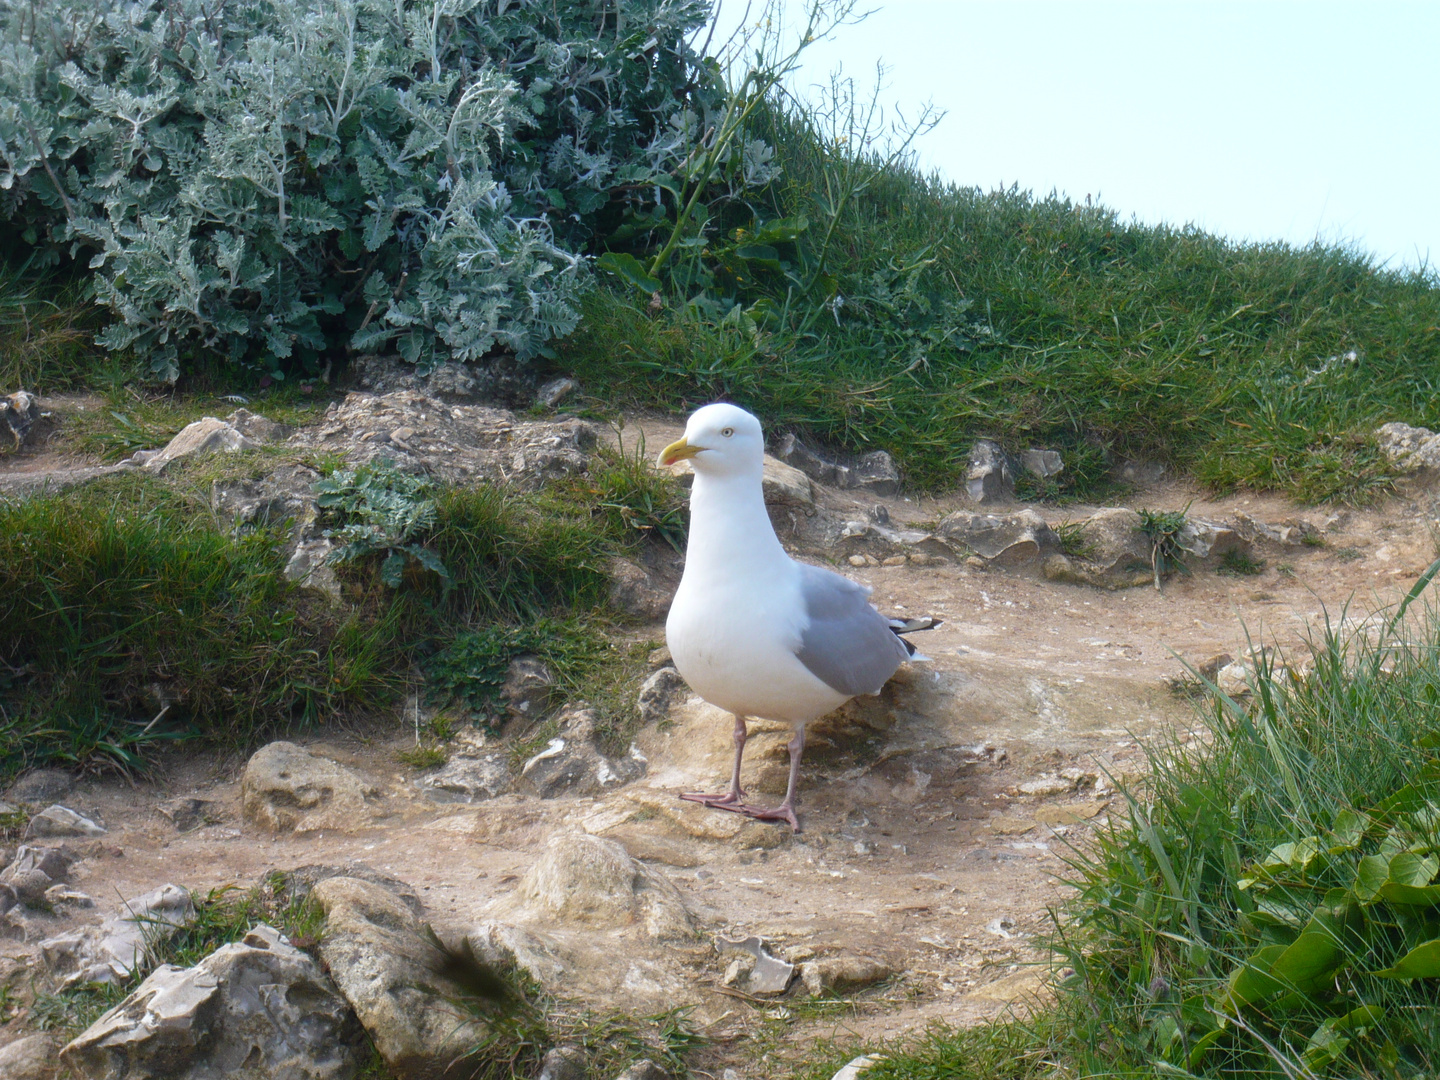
{"x":1038,"y":321}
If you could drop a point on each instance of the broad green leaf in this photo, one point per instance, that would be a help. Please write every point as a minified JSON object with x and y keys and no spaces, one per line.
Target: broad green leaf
{"x":1252,"y":981}
{"x":1348,"y":831}
{"x":392,"y":570}
{"x":1202,"y":1044}
{"x":1313,"y":957}
{"x":1421,"y":962}
{"x":1370,"y":876}
{"x":628,"y":267}
{"x":1408,"y":868}
{"x":782,"y":230}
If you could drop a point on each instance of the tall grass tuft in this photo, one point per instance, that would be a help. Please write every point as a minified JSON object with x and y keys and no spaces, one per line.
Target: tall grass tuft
{"x":1233,"y":854}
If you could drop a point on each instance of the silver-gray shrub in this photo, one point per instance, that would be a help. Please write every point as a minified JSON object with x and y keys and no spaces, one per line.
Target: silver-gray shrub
{"x":279,"y":181}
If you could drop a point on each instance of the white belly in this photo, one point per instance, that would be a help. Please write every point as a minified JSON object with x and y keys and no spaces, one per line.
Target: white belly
{"x":738,"y":652}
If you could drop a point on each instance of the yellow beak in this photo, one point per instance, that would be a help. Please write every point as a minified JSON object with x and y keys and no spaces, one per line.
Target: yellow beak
{"x":679,"y":450}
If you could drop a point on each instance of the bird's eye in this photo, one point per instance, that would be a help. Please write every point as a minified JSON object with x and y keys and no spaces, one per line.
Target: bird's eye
{"x":727,"y":432}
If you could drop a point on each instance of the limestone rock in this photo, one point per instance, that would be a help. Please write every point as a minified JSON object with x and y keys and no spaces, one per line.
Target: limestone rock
{"x":658,"y":693}
{"x":259,"y":428}
{"x":123,"y":942}
{"x":756,"y":972}
{"x":378,"y":954}
{"x":1046,"y":786}
{"x":1205,"y":539}
{"x":535,"y":954}
{"x":527,"y":687}
{"x":29,"y":1058}
{"x":784,"y":485}
{"x":501,"y":379}
{"x":1410,"y":449}
{"x":205,"y":436}
{"x":18,"y":412}
{"x":284,"y":494}
{"x":1004,"y":538}
{"x":1233,"y":679}
{"x":856,"y":1067}
{"x":57,"y":821}
{"x":1114,"y":540}
{"x":556,"y":390}
{"x":1292,"y":532}
{"x":285,"y":788}
{"x":790,"y":450}
{"x":563,"y":1063}
{"x":644,"y":1069}
{"x":593,"y":881}
{"x":837,"y":974}
{"x":41,"y":786}
{"x":1042,"y":463}
{"x":636,"y":592}
{"x":310,"y":565}
{"x":570,"y":763}
{"x":877,"y":474}
{"x":185,"y":813}
{"x":258,"y":1009}
{"x":469,"y":779}
{"x":990,"y":477}
{"x":457,"y":443}
{"x":299,"y":883}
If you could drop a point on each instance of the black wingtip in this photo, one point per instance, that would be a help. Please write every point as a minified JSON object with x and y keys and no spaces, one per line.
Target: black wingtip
{"x":912,"y":626}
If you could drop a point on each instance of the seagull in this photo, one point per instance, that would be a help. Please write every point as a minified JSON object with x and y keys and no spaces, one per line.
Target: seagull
{"x":751,"y":630}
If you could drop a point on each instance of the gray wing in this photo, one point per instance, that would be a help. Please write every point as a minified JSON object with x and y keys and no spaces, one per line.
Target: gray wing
{"x":848,"y":645}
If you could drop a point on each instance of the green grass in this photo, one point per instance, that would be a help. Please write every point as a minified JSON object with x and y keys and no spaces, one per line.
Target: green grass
{"x":1038,"y":321}
{"x":113,"y":586}
{"x":1239,"y":564}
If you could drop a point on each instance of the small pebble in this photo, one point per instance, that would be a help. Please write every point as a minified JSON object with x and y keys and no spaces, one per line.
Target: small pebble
{"x":895,"y":560}
{"x":857,"y":560}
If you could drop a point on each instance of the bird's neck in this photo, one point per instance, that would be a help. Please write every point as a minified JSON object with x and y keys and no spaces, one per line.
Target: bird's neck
{"x":729,"y":523}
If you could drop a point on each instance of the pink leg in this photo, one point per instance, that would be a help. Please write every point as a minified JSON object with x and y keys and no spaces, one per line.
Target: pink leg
{"x":735,"y":800}
{"x":736,"y":796}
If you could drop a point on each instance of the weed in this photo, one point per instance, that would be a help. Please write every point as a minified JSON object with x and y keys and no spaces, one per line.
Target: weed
{"x":633,"y":499}
{"x":381,"y":510}
{"x":12,"y":824}
{"x":1073,"y":541}
{"x":423,"y":757}
{"x":46,"y":328}
{"x":1349,"y":554}
{"x":1162,"y":528}
{"x":1313,"y":540}
{"x":1285,"y":569}
{"x":1240,"y":564}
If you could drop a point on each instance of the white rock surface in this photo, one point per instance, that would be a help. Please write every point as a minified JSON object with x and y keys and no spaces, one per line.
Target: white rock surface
{"x":60,"y":821}
{"x":108,"y":953}
{"x":258,"y":1008}
{"x":287,"y":788}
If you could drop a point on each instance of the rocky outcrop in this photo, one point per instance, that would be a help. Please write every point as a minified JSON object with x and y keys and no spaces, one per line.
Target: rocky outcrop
{"x":31,"y":874}
{"x":990,"y":477}
{"x":258,"y":1008}
{"x":29,"y":1058}
{"x":637,"y":592}
{"x":453,"y":442}
{"x":286,"y":788}
{"x":122,"y":943}
{"x":571,"y":764}
{"x":1006,"y":539}
{"x":591,"y":881}
{"x":379,"y":955}
{"x":1409,"y":449}
{"x":873,"y":473}
{"x":470,"y":778}
{"x":835,"y":974}
{"x":56,"y":822}
{"x":658,"y":693}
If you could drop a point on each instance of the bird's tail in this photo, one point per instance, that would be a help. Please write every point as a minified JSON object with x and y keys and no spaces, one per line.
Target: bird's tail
{"x":901,"y":627}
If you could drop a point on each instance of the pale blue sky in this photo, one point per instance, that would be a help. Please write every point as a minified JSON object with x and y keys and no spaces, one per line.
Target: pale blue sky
{"x":1268,"y":119}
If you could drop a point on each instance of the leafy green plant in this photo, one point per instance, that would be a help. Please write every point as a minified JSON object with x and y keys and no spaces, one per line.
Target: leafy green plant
{"x":1073,"y":541}
{"x":383,"y":511}
{"x":1240,"y":564}
{"x":1162,"y":528}
{"x":278,"y":182}
{"x":471,"y":669}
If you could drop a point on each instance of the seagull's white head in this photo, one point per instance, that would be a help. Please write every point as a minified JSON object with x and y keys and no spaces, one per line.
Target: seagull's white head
{"x":720,"y":440}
